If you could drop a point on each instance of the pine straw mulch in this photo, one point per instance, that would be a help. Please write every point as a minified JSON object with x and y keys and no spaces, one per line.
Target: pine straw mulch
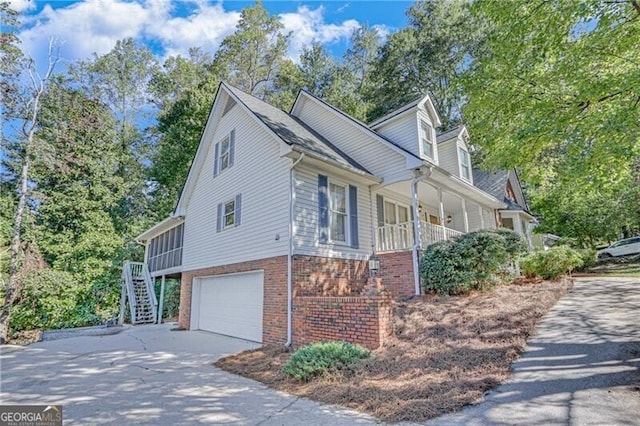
{"x":447,"y":352}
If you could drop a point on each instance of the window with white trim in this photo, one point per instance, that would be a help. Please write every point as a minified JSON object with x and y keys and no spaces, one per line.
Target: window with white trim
{"x":465,"y":169}
{"x":338,"y":208}
{"x":224,"y":153}
{"x":427,"y":138}
{"x":229,"y":213}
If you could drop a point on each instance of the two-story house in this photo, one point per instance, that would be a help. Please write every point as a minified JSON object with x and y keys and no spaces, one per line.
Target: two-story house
{"x":279,"y":205}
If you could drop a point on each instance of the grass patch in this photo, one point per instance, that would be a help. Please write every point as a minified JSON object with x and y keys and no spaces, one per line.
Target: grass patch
{"x":447,"y":352}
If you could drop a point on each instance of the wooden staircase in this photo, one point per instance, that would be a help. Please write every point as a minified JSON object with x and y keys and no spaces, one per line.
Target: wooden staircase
{"x":138,"y":289}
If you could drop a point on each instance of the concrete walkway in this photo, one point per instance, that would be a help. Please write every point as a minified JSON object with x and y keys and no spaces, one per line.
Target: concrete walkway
{"x":581,"y":368}
{"x":151,"y":375}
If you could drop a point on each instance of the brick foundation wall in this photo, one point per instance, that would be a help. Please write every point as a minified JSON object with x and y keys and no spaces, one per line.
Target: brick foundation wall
{"x":274,"y":322}
{"x":323,"y":276}
{"x":396,"y":273}
{"x":363,"y":320}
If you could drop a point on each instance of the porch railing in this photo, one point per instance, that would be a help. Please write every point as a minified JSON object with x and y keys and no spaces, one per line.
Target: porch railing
{"x":430,"y":233}
{"x":400,"y":236}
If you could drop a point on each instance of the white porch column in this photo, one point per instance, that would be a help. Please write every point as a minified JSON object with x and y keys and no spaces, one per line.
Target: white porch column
{"x":417,"y":240}
{"x":465,"y":216}
{"x":441,"y":212}
{"x":161,"y":307}
{"x":481,"y":213}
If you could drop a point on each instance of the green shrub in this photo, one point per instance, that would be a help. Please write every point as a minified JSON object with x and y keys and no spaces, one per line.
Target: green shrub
{"x":51,"y":299}
{"x":477,"y":260}
{"x":321,"y":358}
{"x":552,"y":263}
{"x":588,"y":258}
{"x":515,"y":244}
{"x":444,"y":270}
{"x":171,"y":297}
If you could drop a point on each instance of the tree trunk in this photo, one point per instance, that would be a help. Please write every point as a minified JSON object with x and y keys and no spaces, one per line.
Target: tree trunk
{"x":13,"y":289}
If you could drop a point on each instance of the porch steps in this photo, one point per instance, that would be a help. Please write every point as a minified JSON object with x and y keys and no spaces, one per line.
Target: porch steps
{"x":138,"y":290}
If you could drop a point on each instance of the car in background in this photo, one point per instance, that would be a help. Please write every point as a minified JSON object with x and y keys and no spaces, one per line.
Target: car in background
{"x":625,"y":247}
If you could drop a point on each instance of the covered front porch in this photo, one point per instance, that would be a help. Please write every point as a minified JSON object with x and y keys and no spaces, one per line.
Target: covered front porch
{"x":443,"y":211}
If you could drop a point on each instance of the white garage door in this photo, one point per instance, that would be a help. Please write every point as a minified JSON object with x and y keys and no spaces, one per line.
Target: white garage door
{"x":231,"y":305}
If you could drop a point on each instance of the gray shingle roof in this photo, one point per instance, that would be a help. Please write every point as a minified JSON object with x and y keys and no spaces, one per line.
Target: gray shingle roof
{"x":449,"y":134}
{"x":495,"y":183}
{"x":295,"y":132}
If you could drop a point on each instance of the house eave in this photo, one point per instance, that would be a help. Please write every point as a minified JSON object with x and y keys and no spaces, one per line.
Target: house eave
{"x":159,"y":228}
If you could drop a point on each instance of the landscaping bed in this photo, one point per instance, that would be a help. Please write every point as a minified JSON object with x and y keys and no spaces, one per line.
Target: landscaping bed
{"x":447,"y":352}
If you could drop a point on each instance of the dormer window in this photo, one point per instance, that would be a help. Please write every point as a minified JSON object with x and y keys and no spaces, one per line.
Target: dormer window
{"x":427,"y":139}
{"x":465,"y":169}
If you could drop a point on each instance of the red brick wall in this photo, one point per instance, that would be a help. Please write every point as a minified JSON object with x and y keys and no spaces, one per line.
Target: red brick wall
{"x":323,"y":276}
{"x":396,"y":273}
{"x":274,"y":322}
{"x":363,"y":320}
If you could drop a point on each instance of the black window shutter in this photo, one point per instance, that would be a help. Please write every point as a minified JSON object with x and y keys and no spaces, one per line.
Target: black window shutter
{"x":380,"y":209}
{"x":232,"y":147}
{"x":323,"y":209}
{"x":353,"y":216}
{"x":237,"y":213}
{"x":220,"y":218}
{"x":216,"y":160}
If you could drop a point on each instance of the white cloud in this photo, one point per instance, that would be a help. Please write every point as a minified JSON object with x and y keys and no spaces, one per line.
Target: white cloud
{"x":94,"y":26}
{"x":22,"y":5}
{"x":308,"y":25}
{"x":206,"y":27}
{"x":84,"y":28}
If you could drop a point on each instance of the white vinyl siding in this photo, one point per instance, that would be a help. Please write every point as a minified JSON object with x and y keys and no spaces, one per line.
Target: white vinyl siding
{"x":402,"y":131}
{"x":262,"y":177}
{"x":353,"y":140}
{"x":306,"y":221}
{"x":449,"y":157}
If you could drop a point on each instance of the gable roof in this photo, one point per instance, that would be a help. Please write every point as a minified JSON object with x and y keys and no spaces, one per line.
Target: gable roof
{"x":495,"y":183}
{"x":357,"y":122}
{"x":424,"y":100}
{"x":294,"y":131}
{"x":275,"y":122}
{"x":453,"y":133}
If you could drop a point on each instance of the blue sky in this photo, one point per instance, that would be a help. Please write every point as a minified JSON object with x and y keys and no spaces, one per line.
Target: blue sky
{"x":172,"y":27}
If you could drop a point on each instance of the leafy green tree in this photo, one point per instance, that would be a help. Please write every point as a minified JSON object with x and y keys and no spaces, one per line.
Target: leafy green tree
{"x":251,"y":57}
{"x":557,"y":98}
{"x":78,"y":189}
{"x":120,"y":80}
{"x":22,"y":103}
{"x":429,"y":55}
{"x":182,"y":116}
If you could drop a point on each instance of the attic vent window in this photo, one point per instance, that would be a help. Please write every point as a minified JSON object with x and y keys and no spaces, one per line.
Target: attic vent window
{"x":427,"y":139}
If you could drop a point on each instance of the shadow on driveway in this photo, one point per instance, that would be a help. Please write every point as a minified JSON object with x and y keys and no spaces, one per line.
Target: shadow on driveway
{"x":150,"y":375}
{"x":582,"y":366}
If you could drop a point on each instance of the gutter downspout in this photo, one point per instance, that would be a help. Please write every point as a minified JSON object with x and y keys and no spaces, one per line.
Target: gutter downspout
{"x":292,"y":199}
{"x":417,"y":243}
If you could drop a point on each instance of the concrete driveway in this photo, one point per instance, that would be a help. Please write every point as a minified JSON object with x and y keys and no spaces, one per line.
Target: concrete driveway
{"x":151,"y":375}
{"x":581,"y":368}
